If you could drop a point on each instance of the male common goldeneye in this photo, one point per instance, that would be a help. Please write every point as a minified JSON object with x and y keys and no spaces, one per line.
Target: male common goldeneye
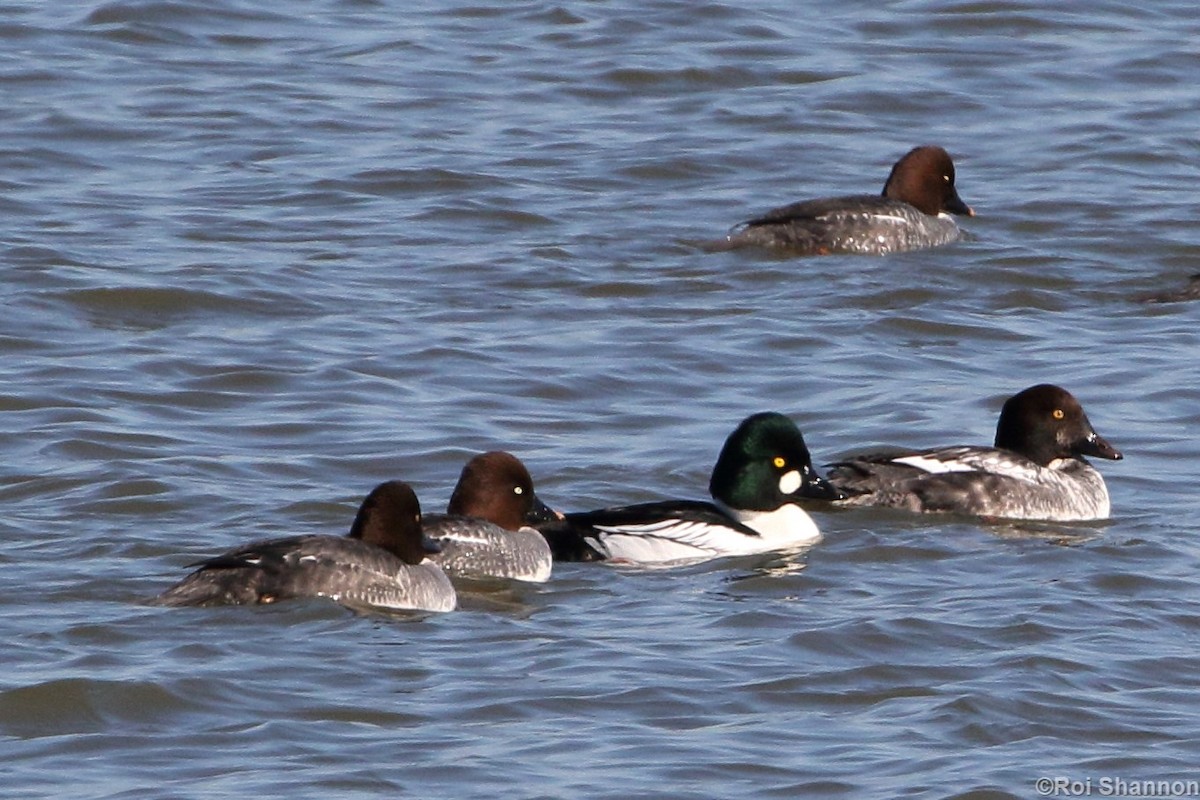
{"x":1035,"y":471}
{"x":910,"y":214}
{"x":486,"y":531}
{"x":381,"y":563}
{"x":762,"y":471}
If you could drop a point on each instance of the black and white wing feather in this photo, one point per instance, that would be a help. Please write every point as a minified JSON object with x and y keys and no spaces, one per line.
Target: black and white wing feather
{"x":476,"y":548}
{"x":646,"y":533}
{"x":343,"y":569}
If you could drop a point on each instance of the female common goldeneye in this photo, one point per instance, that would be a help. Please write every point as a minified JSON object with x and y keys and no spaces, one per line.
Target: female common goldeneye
{"x":910,"y":214}
{"x":762,"y":471}
{"x":1035,"y":471}
{"x":381,"y":563}
{"x":486,"y":531}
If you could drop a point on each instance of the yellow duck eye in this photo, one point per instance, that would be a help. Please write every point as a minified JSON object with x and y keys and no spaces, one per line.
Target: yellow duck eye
{"x":779,"y":462}
{"x":518,"y":490}
{"x":1058,"y":413}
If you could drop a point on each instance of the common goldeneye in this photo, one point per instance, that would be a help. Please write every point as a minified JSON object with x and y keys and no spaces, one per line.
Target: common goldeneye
{"x":1189,"y":291}
{"x":381,"y":563}
{"x":911,"y":213}
{"x":486,"y":531}
{"x":1035,"y":471}
{"x":762,"y":471}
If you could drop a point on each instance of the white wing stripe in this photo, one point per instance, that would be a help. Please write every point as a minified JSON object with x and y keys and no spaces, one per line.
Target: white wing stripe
{"x":934,"y":465}
{"x":691,"y":533}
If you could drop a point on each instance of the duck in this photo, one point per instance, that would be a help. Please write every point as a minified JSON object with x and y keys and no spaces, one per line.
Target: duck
{"x":762,"y":473}
{"x":487,"y":530}
{"x":913,"y":212}
{"x":1189,"y":291}
{"x":1036,"y":469}
{"x":382,"y":563}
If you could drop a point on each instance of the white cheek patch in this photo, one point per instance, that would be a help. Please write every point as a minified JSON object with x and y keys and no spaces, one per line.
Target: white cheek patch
{"x":789,"y":482}
{"x":933,"y":465}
